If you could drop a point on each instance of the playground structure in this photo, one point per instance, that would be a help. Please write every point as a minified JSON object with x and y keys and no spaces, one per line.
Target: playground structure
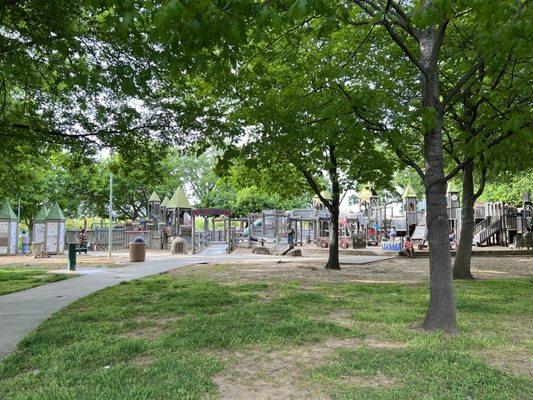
{"x":202,"y":238}
{"x":8,"y":230}
{"x":48,"y":233}
{"x":173,"y":224}
{"x":496,"y":223}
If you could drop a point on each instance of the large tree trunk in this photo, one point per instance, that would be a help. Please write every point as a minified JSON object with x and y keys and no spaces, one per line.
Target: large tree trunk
{"x":441,"y":311}
{"x":333,"y":260}
{"x":461,"y":265}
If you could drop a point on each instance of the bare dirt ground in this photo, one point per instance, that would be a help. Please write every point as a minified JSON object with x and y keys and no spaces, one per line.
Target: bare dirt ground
{"x":396,"y":270}
{"x":59,"y":262}
{"x":279,"y":374}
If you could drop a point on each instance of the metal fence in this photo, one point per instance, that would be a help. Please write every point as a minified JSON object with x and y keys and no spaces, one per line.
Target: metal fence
{"x":99,"y":238}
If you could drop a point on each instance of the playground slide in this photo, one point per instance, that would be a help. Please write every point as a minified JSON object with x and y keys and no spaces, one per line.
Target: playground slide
{"x":421,"y":232}
{"x":257,"y":224}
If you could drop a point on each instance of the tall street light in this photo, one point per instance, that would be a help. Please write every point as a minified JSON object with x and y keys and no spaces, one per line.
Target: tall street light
{"x":110,"y":231}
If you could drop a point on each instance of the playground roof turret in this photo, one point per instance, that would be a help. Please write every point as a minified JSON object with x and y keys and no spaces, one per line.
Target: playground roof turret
{"x":7,"y":213}
{"x":55,"y":214}
{"x":41,"y":215}
{"x":408,"y":192}
{"x":179,"y":200}
{"x":365,"y":194}
{"x":165,"y":201}
{"x":154,"y":198}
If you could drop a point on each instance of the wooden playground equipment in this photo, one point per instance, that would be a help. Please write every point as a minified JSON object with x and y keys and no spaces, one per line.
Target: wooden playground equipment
{"x":496,"y":223}
{"x":202,"y":238}
{"x":174,"y":218}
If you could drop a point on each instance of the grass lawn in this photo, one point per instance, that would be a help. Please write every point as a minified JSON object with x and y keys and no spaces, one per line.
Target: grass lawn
{"x":14,"y":280}
{"x":192,"y":337}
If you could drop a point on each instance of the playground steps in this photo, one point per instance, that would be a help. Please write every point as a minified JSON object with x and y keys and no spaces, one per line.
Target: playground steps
{"x":485,"y":230}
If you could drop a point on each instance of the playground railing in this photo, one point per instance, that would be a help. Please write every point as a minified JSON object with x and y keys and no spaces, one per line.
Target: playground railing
{"x":240,"y":240}
{"x":511,"y":222}
{"x":492,"y":229}
{"x":201,"y":239}
{"x":482,"y":225}
{"x":219,"y":236}
{"x":99,"y":238}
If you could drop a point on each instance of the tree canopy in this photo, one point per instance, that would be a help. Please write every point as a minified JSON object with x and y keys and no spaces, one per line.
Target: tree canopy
{"x":273,"y":101}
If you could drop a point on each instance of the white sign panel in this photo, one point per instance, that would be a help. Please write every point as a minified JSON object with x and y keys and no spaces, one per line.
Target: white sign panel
{"x":61,"y":237}
{"x":4,"y":239}
{"x":38,"y":233}
{"x":51,"y":237}
{"x":13,"y":239}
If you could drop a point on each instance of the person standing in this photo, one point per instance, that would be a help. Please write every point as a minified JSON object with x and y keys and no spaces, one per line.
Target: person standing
{"x":290,"y":234}
{"x":393,"y":233}
{"x":83,"y":239}
{"x":25,"y":240}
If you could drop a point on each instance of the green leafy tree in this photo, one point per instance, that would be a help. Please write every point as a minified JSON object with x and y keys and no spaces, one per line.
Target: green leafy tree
{"x":37,"y":178}
{"x":422,"y":32}
{"x":509,"y":187}
{"x":134,"y":179}
{"x":293,"y":120}
{"x":490,"y":120}
{"x":248,"y":187}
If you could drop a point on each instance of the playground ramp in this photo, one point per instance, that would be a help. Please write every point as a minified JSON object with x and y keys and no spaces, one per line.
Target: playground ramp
{"x":214,"y":249}
{"x":421,"y":232}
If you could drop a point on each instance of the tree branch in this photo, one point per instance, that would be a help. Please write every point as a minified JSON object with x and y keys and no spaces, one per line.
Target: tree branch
{"x":457,"y":88}
{"x":482,"y":179}
{"x":435,"y":51}
{"x":381,"y":130}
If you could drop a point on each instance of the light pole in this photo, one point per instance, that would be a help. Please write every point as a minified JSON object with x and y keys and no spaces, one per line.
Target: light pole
{"x":18,"y":225}
{"x":110,"y":232}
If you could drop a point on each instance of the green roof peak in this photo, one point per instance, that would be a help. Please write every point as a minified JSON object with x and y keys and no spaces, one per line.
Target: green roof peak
{"x":365,"y":194}
{"x":179,"y":200}
{"x":7,"y":212}
{"x":41,"y":215}
{"x":154,"y":198}
{"x":55,"y":213}
{"x":165,"y":201}
{"x":409,"y":192}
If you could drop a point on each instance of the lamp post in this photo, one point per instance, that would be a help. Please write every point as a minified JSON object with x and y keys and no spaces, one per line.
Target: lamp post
{"x":110,"y":231}
{"x":18,"y":220}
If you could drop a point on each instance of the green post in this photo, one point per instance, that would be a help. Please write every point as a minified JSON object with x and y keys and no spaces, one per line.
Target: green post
{"x":72,"y":256}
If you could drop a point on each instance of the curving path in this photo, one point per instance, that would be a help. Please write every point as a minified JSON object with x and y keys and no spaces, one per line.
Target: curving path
{"x":21,"y":312}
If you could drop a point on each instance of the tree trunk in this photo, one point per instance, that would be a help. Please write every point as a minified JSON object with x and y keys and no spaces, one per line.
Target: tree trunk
{"x":461,"y":265}
{"x":441,"y":311}
{"x":333,"y":260}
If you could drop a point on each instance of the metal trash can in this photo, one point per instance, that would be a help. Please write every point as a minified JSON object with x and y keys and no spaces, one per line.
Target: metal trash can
{"x":137,"y":249}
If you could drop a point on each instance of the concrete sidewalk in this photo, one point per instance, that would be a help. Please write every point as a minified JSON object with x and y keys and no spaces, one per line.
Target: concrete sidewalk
{"x":21,"y":312}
